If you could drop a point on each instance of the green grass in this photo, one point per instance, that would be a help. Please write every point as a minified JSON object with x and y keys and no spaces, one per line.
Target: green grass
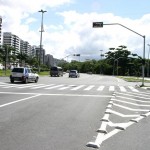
{"x":44,"y":73}
{"x":8,"y":72}
{"x":133,"y":79}
{"x":5,"y":73}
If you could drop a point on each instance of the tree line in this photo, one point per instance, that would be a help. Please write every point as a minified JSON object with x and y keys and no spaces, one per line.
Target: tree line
{"x":117,"y":61}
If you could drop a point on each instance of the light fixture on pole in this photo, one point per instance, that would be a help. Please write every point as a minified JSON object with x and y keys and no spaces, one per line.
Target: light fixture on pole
{"x":42,"y":30}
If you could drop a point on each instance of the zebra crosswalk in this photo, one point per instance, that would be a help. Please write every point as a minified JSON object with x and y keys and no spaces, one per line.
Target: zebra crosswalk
{"x":62,"y":87}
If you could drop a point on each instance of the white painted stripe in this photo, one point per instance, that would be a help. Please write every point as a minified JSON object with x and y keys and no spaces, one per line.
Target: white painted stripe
{"x":111,"y":88}
{"x":42,"y":86}
{"x":100,"y":88}
{"x":89,"y":88}
{"x":135,"y":104}
{"x":63,"y":88}
{"x":78,"y":87}
{"x":132,"y":99}
{"x":133,"y":89}
{"x":47,"y":94}
{"x":53,"y":87}
{"x":122,"y":115}
{"x":5,"y":85}
{"x":122,"y":89}
{"x":131,"y":109}
{"x":27,"y":85}
{"x":115,"y":131}
{"x":3,"y":105}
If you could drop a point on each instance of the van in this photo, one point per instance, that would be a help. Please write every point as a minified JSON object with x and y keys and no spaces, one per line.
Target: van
{"x":56,"y":71}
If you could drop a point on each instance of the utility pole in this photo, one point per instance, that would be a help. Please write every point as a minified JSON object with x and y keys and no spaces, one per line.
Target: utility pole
{"x":148,"y":61}
{"x":42,"y":30}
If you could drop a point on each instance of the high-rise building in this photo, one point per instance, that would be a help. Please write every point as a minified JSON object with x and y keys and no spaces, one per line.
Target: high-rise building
{"x":11,"y":40}
{"x":49,"y":60}
{"x":41,"y":55}
{"x":0,"y":30}
{"x":25,"y":47}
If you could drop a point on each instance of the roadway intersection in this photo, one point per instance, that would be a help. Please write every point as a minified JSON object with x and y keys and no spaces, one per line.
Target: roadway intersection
{"x":83,"y":113}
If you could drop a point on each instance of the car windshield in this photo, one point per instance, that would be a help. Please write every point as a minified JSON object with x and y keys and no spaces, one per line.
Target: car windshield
{"x":19,"y":70}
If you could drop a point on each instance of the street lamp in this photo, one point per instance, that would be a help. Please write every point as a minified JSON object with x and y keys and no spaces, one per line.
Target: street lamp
{"x":42,"y":30}
{"x":148,"y":61}
{"x":100,"y":63}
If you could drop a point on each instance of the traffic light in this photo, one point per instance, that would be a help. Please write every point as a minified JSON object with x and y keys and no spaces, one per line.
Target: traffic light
{"x":97,"y":24}
{"x":76,"y":54}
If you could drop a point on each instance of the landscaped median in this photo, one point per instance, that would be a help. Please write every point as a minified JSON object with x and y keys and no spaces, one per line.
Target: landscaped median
{"x":138,"y":80}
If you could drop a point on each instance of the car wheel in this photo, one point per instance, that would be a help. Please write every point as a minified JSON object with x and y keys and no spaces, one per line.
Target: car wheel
{"x":12,"y":81}
{"x":36,"y":80}
{"x":26,"y":80}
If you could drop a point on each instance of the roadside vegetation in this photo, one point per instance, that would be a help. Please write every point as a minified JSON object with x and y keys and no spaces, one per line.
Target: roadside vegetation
{"x":133,"y":79}
{"x":117,"y":61}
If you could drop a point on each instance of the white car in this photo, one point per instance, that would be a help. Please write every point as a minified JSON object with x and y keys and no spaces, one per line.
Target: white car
{"x":74,"y":73}
{"x":23,"y":74}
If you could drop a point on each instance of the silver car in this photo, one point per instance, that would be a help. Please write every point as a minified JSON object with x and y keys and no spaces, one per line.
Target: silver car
{"x":74,"y":73}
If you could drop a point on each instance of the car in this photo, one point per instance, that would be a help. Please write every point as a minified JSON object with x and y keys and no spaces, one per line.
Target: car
{"x":23,"y":74}
{"x":56,"y":71}
{"x":74,"y":73}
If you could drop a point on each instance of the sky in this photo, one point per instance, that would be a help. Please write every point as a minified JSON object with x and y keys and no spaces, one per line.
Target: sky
{"x":68,"y":25}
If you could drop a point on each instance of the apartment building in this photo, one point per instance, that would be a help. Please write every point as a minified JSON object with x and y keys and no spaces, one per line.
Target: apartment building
{"x":49,"y":60}
{"x":25,"y":47}
{"x":11,"y":40}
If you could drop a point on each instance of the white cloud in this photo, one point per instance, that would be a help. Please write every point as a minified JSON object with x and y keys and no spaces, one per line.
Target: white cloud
{"x":84,"y":39}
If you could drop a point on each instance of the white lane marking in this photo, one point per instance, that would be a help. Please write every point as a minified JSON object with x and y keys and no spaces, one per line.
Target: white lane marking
{"x":78,"y":87}
{"x":4,"y":84}
{"x":135,"y":104}
{"x":111,"y":88}
{"x":27,"y":85}
{"x":131,"y":109}
{"x":3,"y":105}
{"x":132,"y":99}
{"x":46,"y":94}
{"x":53,"y":87}
{"x":63,"y":88}
{"x":136,"y":94}
{"x":133,"y":89}
{"x":42,"y":86}
{"x":100,"y":88}
{"x":89,"y":88}
{"x":122,"y":115}
{"x":122,"y":89}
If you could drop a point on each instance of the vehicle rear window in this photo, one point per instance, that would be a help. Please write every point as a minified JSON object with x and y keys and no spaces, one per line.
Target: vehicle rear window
{"x":72,"y":71}
{"x":54,"y":69}
{"x":20,"y":70}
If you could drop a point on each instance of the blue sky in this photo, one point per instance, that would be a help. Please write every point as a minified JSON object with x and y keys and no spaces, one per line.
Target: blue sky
{"x":68,"y":24}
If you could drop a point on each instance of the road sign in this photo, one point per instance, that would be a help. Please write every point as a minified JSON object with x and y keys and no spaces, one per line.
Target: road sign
{"x":97,"y":24}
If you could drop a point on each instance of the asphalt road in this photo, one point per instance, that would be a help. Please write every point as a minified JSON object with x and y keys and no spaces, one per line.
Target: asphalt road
{"x":65,"y":113}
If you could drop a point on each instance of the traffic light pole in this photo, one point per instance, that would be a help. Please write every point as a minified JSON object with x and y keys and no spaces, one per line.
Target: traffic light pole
{"x":100,"y":24}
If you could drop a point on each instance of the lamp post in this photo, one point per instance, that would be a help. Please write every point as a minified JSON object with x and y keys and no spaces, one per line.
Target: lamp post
{"x":42,"y":30}
{"x":148,"y":61}
{"x":100,"y":63}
